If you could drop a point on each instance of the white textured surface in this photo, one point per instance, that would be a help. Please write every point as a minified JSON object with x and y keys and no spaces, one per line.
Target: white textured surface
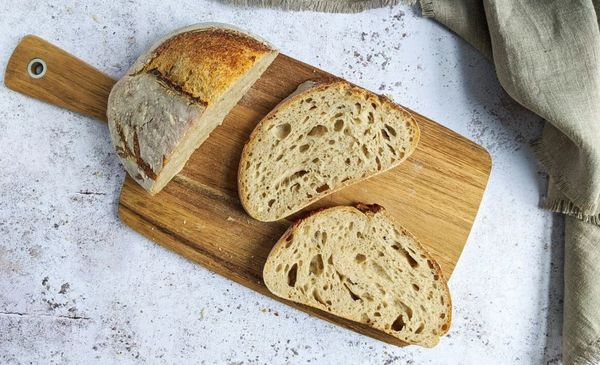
{"x":77,"y":286}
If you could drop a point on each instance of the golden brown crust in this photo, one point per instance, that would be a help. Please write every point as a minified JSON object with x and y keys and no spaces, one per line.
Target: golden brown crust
{"x":320,"y":84}
{"x":373,"y":208}
{"x":205,"y":62}
{"x":177,"y":92}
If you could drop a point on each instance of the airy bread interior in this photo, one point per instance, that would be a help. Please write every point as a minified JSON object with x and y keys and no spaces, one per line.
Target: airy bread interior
{"x":319,"y":140}
{"x":211,"y":118}
{"x":355,"y":263}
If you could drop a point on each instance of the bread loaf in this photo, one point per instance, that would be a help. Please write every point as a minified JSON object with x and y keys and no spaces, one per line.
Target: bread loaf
{"x":324,"y":137}
{"x":357,"y":264}
{"x":177,"y":93}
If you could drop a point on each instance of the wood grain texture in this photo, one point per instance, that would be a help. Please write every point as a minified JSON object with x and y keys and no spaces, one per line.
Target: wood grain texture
{"x":435,"y":194}
{"x":68,"y":82}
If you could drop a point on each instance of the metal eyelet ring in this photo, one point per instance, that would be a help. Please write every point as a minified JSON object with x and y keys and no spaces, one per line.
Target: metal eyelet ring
{"x":37,"y":68}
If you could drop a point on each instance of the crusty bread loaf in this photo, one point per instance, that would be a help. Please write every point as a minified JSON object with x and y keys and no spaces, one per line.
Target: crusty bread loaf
{"x":355,"y":263}
{"x":323,"y":137}
{"x":177,"y":93}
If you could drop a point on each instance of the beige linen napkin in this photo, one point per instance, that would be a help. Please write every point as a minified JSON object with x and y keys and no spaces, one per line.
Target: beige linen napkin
{"x":547,"y":57}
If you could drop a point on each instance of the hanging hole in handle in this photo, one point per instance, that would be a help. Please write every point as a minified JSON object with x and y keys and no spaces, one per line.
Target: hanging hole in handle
{"x":37,"y":68}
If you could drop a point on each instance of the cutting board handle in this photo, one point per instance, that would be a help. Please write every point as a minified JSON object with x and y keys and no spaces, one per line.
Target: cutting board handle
{"x":41,"y":70}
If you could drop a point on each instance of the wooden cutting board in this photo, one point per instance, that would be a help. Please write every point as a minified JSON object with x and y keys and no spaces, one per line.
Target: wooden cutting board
{"x":435,"y":194}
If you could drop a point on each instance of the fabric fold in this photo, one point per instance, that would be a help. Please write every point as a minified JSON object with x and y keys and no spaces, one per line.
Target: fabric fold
{"x":547,"y":57}
{"x":465,"y":18}
{"x":581,"y":319}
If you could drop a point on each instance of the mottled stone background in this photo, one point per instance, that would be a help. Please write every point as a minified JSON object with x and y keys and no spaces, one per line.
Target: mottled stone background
{"x":79,"y":287}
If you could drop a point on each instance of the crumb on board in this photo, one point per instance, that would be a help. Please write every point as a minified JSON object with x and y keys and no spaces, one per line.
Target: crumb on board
{"x":231,"y":219}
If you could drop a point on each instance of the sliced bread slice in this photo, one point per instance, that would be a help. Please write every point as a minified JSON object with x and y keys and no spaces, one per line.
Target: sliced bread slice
{"x":177,"y":93}
{"x":357,"y":264}
{"x":323,"y":137}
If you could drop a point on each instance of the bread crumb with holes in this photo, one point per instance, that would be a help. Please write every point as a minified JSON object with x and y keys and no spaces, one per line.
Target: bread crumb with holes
{"x":358,"y":264}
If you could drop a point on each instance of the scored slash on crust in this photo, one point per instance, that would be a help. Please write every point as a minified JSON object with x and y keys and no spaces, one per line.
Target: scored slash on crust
{"x":177,"y":93}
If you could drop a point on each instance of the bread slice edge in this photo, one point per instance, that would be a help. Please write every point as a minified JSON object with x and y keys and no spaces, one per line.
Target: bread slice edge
{"x":370,"y":210}
{"x":302,"y":91}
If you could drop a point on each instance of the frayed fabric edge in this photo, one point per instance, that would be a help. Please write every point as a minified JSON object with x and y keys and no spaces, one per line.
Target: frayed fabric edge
{"x":427,"y":8}
{"x":570,"y":209}
{"x":328,"y":6}
{"x":575,"y":208}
